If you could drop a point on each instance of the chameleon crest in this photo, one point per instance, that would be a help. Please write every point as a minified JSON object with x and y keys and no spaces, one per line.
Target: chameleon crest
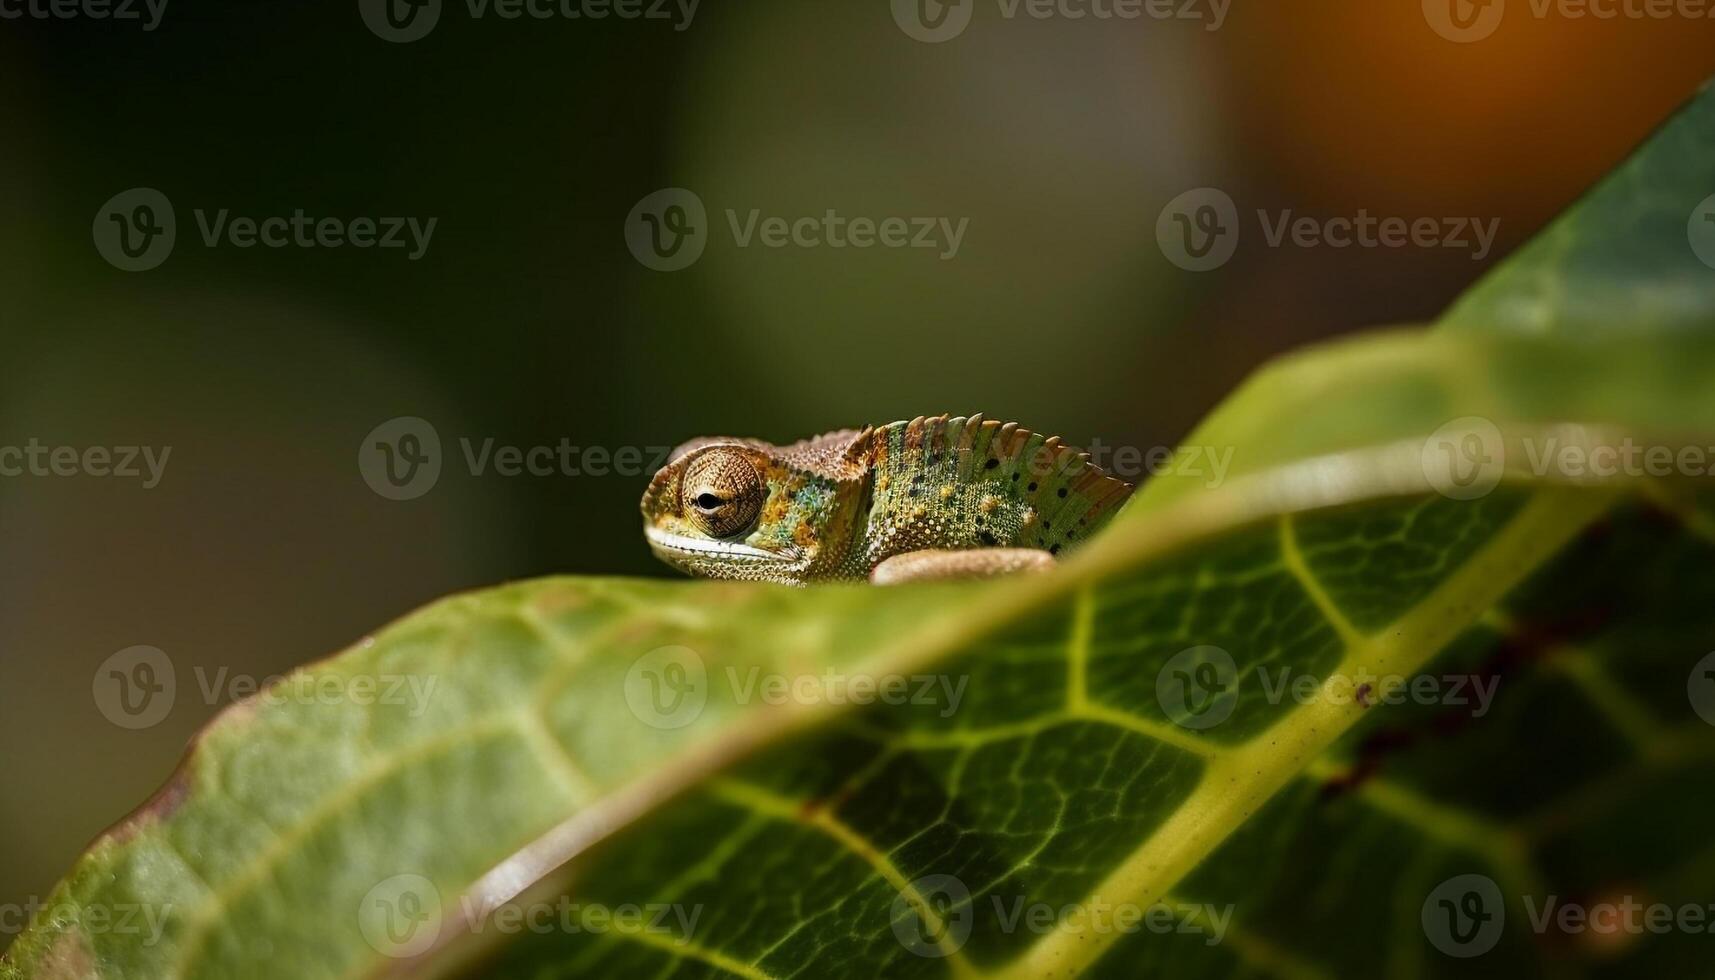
{"x":840,"y":505}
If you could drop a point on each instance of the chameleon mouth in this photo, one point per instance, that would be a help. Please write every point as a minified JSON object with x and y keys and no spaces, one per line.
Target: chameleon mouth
{"x":668,"y":545}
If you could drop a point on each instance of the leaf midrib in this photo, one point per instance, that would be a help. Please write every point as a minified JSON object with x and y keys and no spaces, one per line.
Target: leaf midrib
{"x":1238,"y":782}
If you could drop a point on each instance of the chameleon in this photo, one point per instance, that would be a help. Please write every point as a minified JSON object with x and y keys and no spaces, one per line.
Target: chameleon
{"x":932,"y":498}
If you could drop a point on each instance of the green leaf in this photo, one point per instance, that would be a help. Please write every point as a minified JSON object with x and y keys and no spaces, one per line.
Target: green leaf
{"x":1619,"y":261}
{"x":1198,"y":709}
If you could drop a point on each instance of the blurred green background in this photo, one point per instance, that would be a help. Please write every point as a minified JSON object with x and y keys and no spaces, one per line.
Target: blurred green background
{"x":528,"y":321}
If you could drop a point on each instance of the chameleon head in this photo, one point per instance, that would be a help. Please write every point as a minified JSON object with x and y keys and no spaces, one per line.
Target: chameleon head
{"x":735,"y":509}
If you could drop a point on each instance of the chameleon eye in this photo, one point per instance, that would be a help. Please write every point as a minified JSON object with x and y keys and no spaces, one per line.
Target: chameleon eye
{"x":723,"y":493}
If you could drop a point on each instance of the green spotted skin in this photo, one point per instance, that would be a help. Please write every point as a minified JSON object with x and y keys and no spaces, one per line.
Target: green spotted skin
{"x":959,"y":483}
{"x":840,"y":504}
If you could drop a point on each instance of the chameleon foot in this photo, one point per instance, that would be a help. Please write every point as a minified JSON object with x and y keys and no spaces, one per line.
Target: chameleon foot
{"x":934,"y":565}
